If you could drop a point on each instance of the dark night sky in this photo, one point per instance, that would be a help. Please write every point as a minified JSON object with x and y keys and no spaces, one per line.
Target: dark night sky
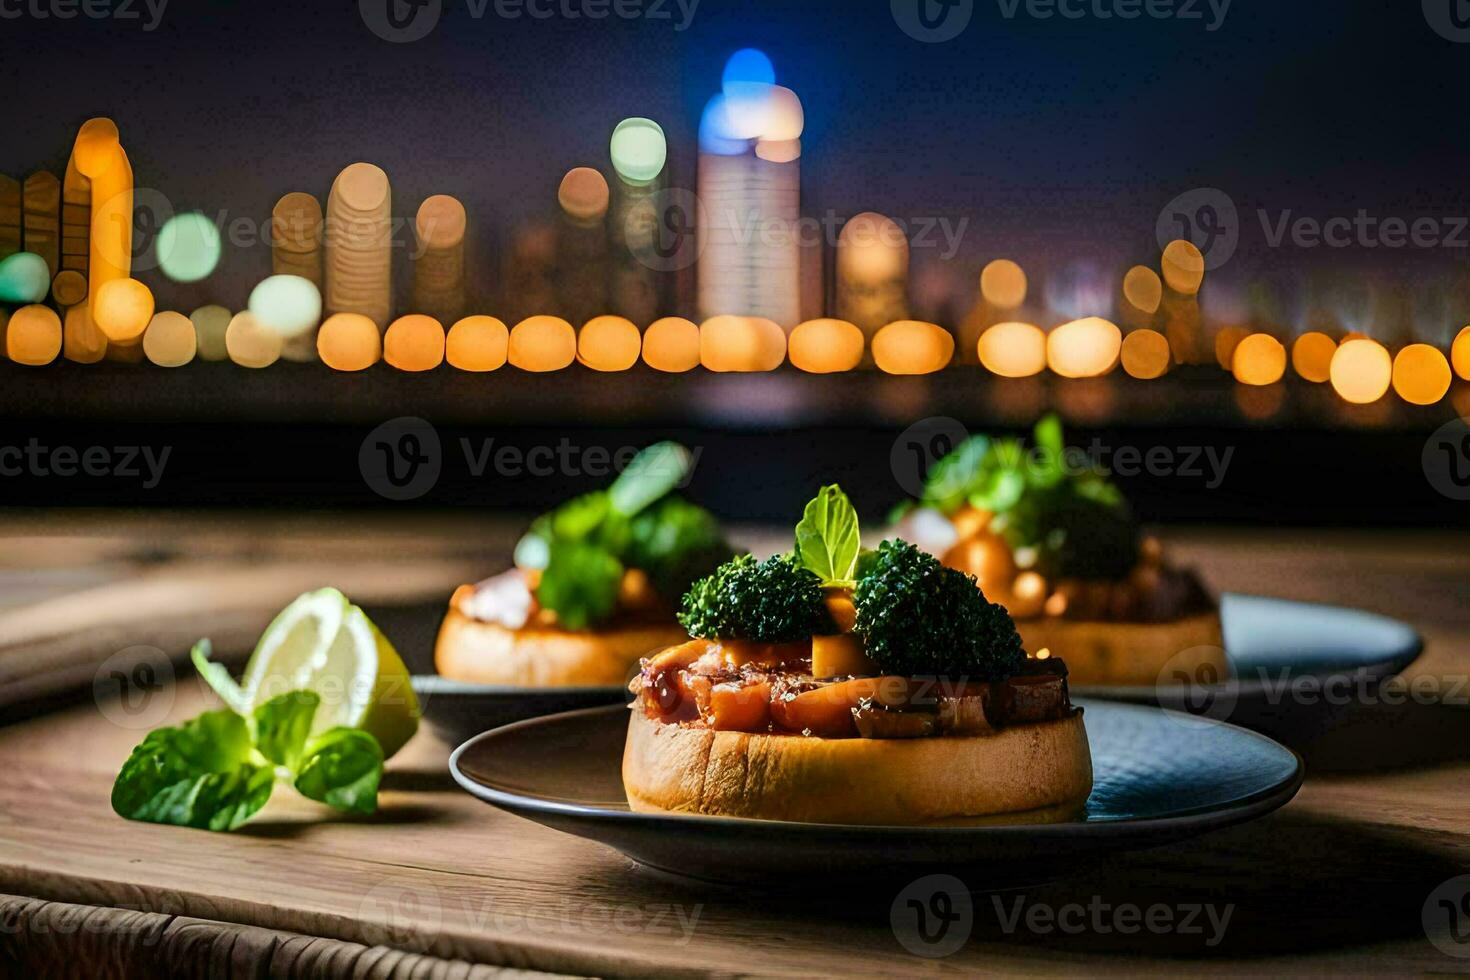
{"x":1059,"y":140}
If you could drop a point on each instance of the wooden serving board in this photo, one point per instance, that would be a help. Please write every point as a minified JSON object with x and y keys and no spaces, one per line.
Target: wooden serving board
{"x":1336,"y":881}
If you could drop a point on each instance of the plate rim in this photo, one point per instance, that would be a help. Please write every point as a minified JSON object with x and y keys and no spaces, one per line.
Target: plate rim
{"x":1249,"y":807}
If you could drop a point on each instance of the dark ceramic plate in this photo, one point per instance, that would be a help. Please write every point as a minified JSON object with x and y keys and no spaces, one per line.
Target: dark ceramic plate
{"x":1295,"y":667}
{"x":456,"y":711}
{"x":1159,"y":777}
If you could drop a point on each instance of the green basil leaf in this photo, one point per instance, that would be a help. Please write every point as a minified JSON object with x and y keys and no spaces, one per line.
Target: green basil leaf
{"x":650,"y":477}
{"x":217,"y":677}
{"x":199,"y":774}
{"x":342,"y":768}
{"x":828,"y":539}
{"x":282,"y":724}
{"x":580,"y":583}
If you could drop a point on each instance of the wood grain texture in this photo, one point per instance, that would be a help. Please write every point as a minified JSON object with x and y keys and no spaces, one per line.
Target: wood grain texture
{"x":1334,"y":882}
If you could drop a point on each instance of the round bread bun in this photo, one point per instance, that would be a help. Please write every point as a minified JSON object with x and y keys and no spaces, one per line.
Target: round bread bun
{"x":1128,"y":654}
{"x":1038,"y":772}
{"x":478,"y":652}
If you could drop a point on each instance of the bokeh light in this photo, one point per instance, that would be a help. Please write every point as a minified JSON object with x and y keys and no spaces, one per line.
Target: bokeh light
{"x":349,"y":342}
{"x":1460,"y":354}
{"x":24,"y":278}
{"x":122,"y":308}
{"x":69,"y":287}
{"x":188,"y":247}
{"x":1227,"y":339}
{"x":543,"y":343}
{"x":826,"y":346}
{"x":671,"y":344}
{"x":210,"y":324}
{"x":1084,"y":348}
{"x":1145,"y":354}
{"x":778,"y":151}
{"x":33,"y":336}
{"x":81,"y":341}
{"x":716,"y":131}
{"x":170,"y":340}
{"x":609,"y":343}
{"x":749,"y":65}
{"x":414,"y":343}
{"x":1260,"y":359}
{"x":1003,"y":284}
{"x":639,"y":150}
{"x":1361,"y":371}
{"x":1143,"y":288}
{"x":1079,"y":289}
{"x":477,"y":343}
{"x":251,"y":344}
{"x":1013,"y":350}
{"x":872,"y":248}
{"x":289,"y":305}
{"x":741,"y":343}
{"x":583,"y":194}
{"x":1184,"y":267}
{"x":912,"y":347}
{"x":1421,"y":375}
{"x":1311,"y":356}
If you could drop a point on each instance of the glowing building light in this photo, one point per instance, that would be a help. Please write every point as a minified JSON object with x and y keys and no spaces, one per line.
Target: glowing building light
{"x":210,"y":324}
{"x":1003,"y":284}
{"x":1145,"y":354}
{"x":289,"y":305}
{"x":122,"y":308}
{"x":609,"y":343}
{"x":1013,"y":350}
{"x":1260,"y":359}
{"x":543,"y":343}
{"x":785,"y":119}
{"x":1421,"y":375}
{"x":170,"y":340}
{"x":826,"y":346}
{"x":778,"y":151}
{"x":81,"y":341}
{"x":349,"y":342}
{"x":1226,"y":341}
{"x":671,"y":345}
{"x":912,"y":347}
{"x":639,"y":150}
{"x":33,"y":336}
{"x":438,"y":268}
{"x":69,"y":287}
{"x":358,"y":240}
{"x":1184,"y":267}
{"x":749,"y":65}
{"x":251,"y":344}
{"x":1142,"y":288}
{"x":100,"y":158}
{"x":24,"y":278}
{"x":872,"y":272}
{"x":716,"y":131}
{"x":477,"y":343}
{"x":1361,"y":371}
{"x":1078,"y":289}
{"x":741,"y":343}
{"x":1311,"y":356}
{"x":188,"y":247}
{"x":414,"y":343}
{"x":1460,"y":354}
{"x":583,"y":194}
{"x":1084,"y":348}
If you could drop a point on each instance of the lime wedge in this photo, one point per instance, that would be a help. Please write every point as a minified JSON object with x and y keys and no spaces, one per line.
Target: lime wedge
{"x":323,"y":643}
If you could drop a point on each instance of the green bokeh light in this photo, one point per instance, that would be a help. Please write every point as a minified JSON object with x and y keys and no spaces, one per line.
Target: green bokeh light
{"x":639,"y":150}
{"x":188,"y":247}
{"x":24,"y":278}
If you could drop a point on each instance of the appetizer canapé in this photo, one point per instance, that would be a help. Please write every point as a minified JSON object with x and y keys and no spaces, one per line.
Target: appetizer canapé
{"x":838,"y":685}
{"x":1048,"y":535}
{"x":595,"y":586}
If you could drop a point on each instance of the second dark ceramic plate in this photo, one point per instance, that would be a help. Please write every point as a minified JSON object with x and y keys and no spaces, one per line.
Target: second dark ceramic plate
{"x":1158,"y":777}
{"x":456,"y":711}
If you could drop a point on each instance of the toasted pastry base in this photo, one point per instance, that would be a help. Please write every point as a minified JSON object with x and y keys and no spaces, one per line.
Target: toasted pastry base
{"x":1040,"y":771}
{"x":487,"y":653}
{"x":1128,"y":654}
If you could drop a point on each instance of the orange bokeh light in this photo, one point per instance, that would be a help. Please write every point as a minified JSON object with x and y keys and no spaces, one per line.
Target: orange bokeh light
{"x":826,"y":346}
{"x":1184,"y":267}
{"x":1260,"y":359}
{"x":671,"y":345}
{"x":1145,"y":354}
{"x":609,"y":343}
{"x":1421,"y":375}
{"x":1361,"y":371}
{"x":912,"y":347}
{"x":1003,"y":284}
{"x":543,"y":343}
{"x":477,"y":343}
{"x":1460,"y":354}
{"x":122,"y":308}
{"x":33,"y":336}
{"x":1226,"y":340}
{"x":1311,"y":356}
{"x":349,"y":342}
{"x":1013,"y":350}
{"x":741,"y":343}
{"x":1084,"y":348}
{"x":414,"y":343}
{"x":1142,"y":288}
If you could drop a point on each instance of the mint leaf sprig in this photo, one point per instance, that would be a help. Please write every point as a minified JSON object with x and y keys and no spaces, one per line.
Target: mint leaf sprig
{"x":216,"y":771}
{"x":828,"y":540}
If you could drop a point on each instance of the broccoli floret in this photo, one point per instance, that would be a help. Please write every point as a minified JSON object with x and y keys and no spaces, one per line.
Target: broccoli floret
{"x":676,"y":543}
{"x":918,"y":618}
{"x":772,"y":601}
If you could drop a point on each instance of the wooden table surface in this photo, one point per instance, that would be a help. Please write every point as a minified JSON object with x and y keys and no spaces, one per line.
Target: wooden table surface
{"x":1336,"y":881}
